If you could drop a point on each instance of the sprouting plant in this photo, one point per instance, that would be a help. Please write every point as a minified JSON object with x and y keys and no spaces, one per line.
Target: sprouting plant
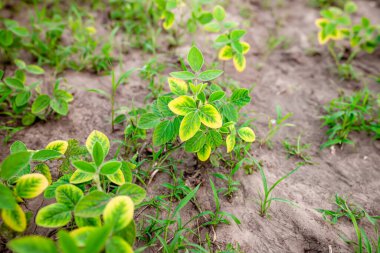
{"x":201,"y":117}
{"x":298,"y":150}
{"x":11,"y":39}
{"x":327,"y":3}
{"x":232,"y":185}
{"x":355,"y":213}
{"x":112,"y":95}
{"x":151,"y":72}
{"x":274,"y":125}
{"x":336,"y":25}
{"x":266,"y":198}
{"x":218,"y":216}
{"x":24,"y":174}
{"x":25,"y":102}
{"x":347,"y":114}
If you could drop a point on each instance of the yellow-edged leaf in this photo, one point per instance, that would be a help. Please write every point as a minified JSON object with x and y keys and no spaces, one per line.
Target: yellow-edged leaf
{"x":230,"y":142}
{"x":58,"y":145}
{"x":119,"y":212}
{"x":80,"y":235}
{"x":204,"y":153}
{"x":225,"y":53}
{"x":97,"y":136}
{"x":117,"y":245}
{"x":321,"y":22}
{"x":182,"y":105}
{"x":80,"y":177}
{"x":177,"y":86}
{"x":245,"y":46}
{"x":31,"y":185}
{"x":247,"y":134}
{"x":44,"y":170}
{"x":14,"y":218}
{"x":190,"y":125}
{"x":117,"y":177}
{"x":239,"y":62}
{"x":210,"y":116}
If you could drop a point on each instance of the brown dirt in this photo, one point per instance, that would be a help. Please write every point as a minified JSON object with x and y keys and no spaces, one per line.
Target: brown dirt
{"x":300,"y":84}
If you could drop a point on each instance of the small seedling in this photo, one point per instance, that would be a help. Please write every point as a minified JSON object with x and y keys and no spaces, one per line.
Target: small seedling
{"x":274,"y":125}
{"x":347,"y":114}
{"x":298,"y":150}
{"x":266,"y":198}
{"x":355,"y":213}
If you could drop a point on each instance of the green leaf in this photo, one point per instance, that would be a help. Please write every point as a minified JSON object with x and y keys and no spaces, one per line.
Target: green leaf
{"x":22,"y":98}
{"x":219,"y":13}
{"x":67,"y":243}
{"x":79,"y":177}
{"x":209,"y":75}
{"x":135,"y":192}
{"x":128,"y":233}
{"x":58,"y":145}
{"x":14,"y":83}
{"x":214,"y":139}
{"x":8,"y":201}
{"x":185,"y":200}
{"x":28,"y":119}
{"x":162,"y":106}
{"x":195,"y":59}
{"x":210,"y":116}
{"x":14,"y":218}
{"x":204,"y":153}
{"x":34,"y":69}
{"x":31,"y":185}
{"x":53,"y":216}
{"x":190,"y":125}
{"x":18,"y":146}
{"x":32,"y":244}
{"x":50,"y":190}
{"x":240,"y":97}
{"x":84,"y":166}
{"x":148,"y":120}
{"x":88,"y":222}
{"x":92,"y":205}
{"x":229,"y":112}
{"x":184,"y":75}
{"x":110,"y":167}
{"x":45,"y":154}
{"x":13,"y":163}
{"x":217,"y":95}
{"x":118,"y":245}
{"x":19,"y":31}
{"x":182,"y":105}
{"x":96,"y":239}
{"x":247,"y":134}
{"x":196,"y":142}
{"x":40,"y":104}
{"x":163,"y":133}
{"x":6,"y":38}
{"x":60,"y":106}
{"x":237,"y":34}
{"x":97,"y":136}
{"x":68,"y":195}
{"x":119,"y":212}
{"x":97,"y":154}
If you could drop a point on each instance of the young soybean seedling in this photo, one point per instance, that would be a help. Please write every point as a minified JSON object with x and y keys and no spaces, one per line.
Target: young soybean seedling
{"x":298,"y":150}
{"x":267,"y":199}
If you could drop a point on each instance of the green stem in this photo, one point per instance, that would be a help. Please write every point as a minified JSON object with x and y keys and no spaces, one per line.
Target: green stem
{"x":97,"y":182}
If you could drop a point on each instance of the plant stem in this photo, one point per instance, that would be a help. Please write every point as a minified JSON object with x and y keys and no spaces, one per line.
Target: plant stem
{"x":97,"y":181}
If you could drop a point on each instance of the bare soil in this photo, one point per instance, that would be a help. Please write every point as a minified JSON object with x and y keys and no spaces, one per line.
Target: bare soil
{"x":301,"y":79}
